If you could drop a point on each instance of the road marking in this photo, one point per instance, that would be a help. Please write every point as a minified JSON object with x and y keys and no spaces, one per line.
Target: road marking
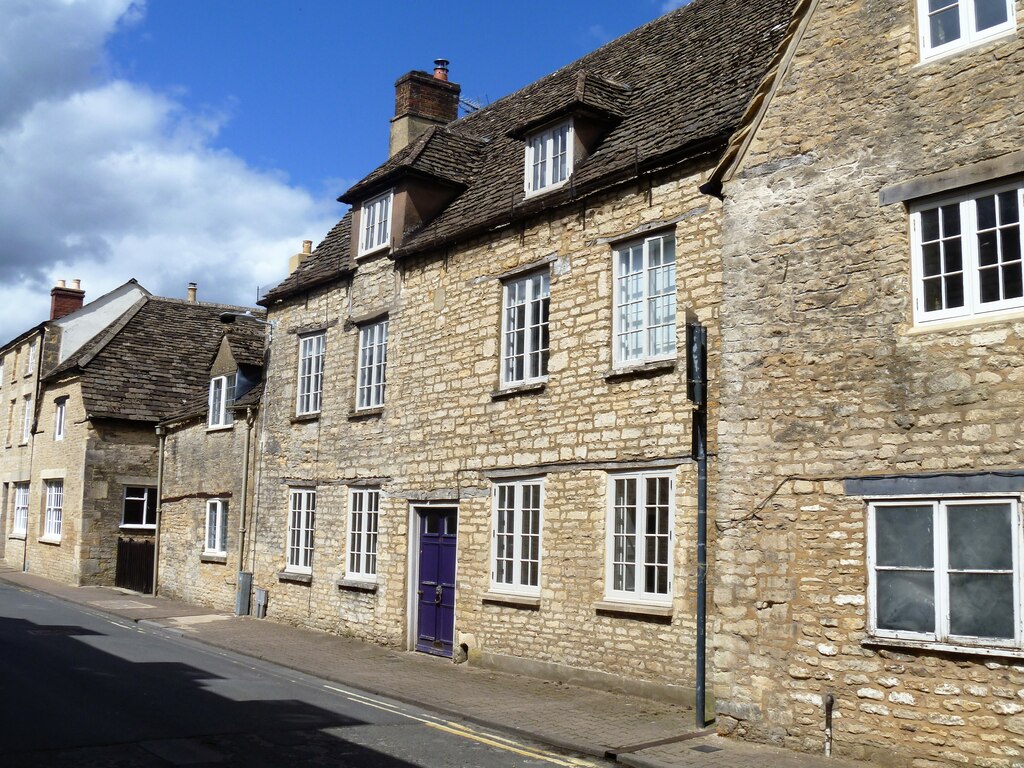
{"x":456,"y":729}
{"x":122,"y":626}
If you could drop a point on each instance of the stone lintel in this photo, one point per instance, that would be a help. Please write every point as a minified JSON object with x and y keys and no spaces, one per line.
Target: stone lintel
{"x":985,"y":172}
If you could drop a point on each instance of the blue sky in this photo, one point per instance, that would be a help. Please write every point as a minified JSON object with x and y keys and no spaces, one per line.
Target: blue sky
{"x":203,"y":140}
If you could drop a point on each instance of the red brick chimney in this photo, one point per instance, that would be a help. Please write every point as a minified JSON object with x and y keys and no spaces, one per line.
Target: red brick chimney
{"x":422,"y":100}
{"x":64,"y":300}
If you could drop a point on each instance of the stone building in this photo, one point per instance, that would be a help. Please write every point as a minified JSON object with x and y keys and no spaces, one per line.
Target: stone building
{"x":870,"y":462}
{"x":476,"y":436}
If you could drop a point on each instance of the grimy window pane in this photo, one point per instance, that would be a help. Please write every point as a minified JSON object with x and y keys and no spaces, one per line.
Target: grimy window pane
{"x":981,"y":605}
{"x":989,"y":13}
{"x":903,"y":536}
{"x":906,"y":601}
{"x":980,"y":537}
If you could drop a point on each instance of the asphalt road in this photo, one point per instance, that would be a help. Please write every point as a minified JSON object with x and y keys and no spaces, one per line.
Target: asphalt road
{"x":80,"y":689}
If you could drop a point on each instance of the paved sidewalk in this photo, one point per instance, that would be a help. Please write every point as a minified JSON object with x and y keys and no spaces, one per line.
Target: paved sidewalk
{"x":580,"y":720}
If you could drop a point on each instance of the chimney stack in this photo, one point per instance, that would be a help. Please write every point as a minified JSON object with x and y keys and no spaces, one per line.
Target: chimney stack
{"x":296,"y":261}
{"x":64,"y":300}
{"x":422,"y":101}
{"x":191,"y":293}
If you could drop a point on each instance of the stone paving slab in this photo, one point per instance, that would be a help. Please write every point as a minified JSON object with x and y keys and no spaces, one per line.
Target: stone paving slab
{"x":581,"y":720}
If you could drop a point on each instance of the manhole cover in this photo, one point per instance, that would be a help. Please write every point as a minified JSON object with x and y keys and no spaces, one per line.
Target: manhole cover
{"x":706,"y":748}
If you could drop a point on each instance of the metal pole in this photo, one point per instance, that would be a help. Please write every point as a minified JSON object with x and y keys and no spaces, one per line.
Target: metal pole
{"x":697,"y":392}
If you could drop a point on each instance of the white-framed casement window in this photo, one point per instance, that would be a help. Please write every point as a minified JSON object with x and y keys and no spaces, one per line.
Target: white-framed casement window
{"x":30,"y":358}
{"x":311,"y":373}
{"x":301,"y":522}
{"x":216,"y":542}
{"x":967,"y":254}
{"x":373,"y":360}
{"x":524,"y":329}
{"x":1,"y":371}
{"x":60,"y":412}
{"x":363,"y":524}
{"x":54,"y":514}
{"x":645,"y":300}
{"x":375,"y":223}
{"x":516,"y":536}
{"x":20,"y":509}
{"x":222,"y":397}
{"x":946,"y":571}
{"x":549,"y":158}
{"x":640,"y":538}
{"x":951,"y":25}
{"x":139,"y":507}
{"x":26,"y":424}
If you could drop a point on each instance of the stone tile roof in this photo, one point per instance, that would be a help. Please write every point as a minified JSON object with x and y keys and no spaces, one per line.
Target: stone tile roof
{"x":678,"y":86}
{"x":247,"y":341}
{"x":150,"y":364}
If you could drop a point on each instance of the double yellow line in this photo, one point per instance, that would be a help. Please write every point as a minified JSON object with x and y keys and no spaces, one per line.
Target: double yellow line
{"x":456,"y":729}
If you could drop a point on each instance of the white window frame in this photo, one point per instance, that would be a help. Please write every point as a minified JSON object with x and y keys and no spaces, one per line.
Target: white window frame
{"x":215,"y":540}
{"x":59,"y":418}
{"x":525,"y":312}
{"x":639,"y":594}
{"x":371,"y":381}
{"x":375,"y":223}
{"x":26,"y":427}
{"x":942,"y":638}
{"x":363,"y":534}
{"x":541,"y":172}
{"x":509,"y":532}
{"x":21,"y":499}
{"x":53,"y":521}
{"x":2,"y":361}
{"x":301,"y":530}
{"x":132,"y":493}
{"x":220,"y":400}
{"x":30,"y":362}
{"x":646,"y":300}
{"x":310,"y":383}
{"x":969,"y":236}
{"x":969,"y":35}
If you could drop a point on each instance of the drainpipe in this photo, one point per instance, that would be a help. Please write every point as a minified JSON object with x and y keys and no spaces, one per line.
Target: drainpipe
{"x":830,"y":702}
{"x":161,"y":433}
{"x":697,"y":392}
{"x":249,"y":419}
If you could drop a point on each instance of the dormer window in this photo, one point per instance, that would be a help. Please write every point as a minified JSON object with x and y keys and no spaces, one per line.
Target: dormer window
{"x":549,"y":158}
{"x":222,"y":397}
{"x":375,"y":217}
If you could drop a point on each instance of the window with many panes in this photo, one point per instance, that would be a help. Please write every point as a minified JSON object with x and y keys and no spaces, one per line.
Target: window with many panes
{"x":373,"y":359}
{"x":20,"y":509}
{"x":375,"y":223}
{"x":645,"y":300}
{"x":967,"y":255}
{"x":950,"y":25}
{"x":26,"y":424}
{"x":363,"y":523}
{"x":549,"y":157}
{"x":639,"y":550}
{"x":216,"y":542}
{"x":221,"y":398}
{"x":311,"y":373}
{"x":30,"y":358}
{"x":515,"y":534}
{"x":524,"y":329}
{"x":54,"y":514}
{"x":301,"y":521}
{"x":946,"y":571}
{"x":139,"y":507}
{"x":60,"y":412}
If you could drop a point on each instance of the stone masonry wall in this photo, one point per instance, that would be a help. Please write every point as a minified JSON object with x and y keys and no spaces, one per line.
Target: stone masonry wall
{"x":824,"y":376}
{"x":443,"y":432}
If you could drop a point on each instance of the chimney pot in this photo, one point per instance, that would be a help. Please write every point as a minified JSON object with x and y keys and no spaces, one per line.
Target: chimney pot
{"x":61,"y":284}
{"x":307,"y":246}
{"x":441,"y":69}
{"x":76,"y":284}
{"x":191,"y":293}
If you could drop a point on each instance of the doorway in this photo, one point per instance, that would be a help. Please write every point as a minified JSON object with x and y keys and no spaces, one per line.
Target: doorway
{"x":436,"y":539}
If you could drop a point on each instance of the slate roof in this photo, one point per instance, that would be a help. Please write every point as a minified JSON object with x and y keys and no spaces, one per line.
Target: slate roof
{"x":153,"y":362}
{"x":247,"y":341}
{"x":678,"y":87}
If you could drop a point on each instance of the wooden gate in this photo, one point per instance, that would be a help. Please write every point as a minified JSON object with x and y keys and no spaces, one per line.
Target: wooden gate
{"x":135,"y":564}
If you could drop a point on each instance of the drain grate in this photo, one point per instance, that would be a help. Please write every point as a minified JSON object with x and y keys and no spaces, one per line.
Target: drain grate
{"x":706,"y":748}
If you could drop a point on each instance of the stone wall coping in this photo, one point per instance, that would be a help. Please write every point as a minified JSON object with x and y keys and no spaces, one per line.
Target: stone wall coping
{"x":532,"y":388}
{"x":356,"y":585}
{"x":297,"y":578}
{"x":512,"y":601}
{"x":636,"y":609}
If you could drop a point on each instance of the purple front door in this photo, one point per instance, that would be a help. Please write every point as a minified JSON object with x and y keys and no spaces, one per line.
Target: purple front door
{"x":435,"y":626}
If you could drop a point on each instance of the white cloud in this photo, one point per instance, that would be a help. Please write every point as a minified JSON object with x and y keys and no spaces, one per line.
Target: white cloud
{"x":104,"y":179}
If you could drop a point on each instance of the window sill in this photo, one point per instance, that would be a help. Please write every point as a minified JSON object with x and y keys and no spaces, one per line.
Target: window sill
{"x":138,"y":528}
{"x":927,"y":645}
{"x":641,"y":371}
{"x":17,"y":536}
{"x":357,"y":585}
{"x":210,"y":557}
{"x":517,"y":390}
{"x":512,"y":601}
{"x":302,"y":418}
{"x":634,"y":609}
{"x":366,"y":413}
{"x":220,"y":428}
{"x":295,"y":578}
{"x":375,"y":251}
{"x":932,"y":58}
{"x":979,"y":321}
{"x":52,"y":542}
